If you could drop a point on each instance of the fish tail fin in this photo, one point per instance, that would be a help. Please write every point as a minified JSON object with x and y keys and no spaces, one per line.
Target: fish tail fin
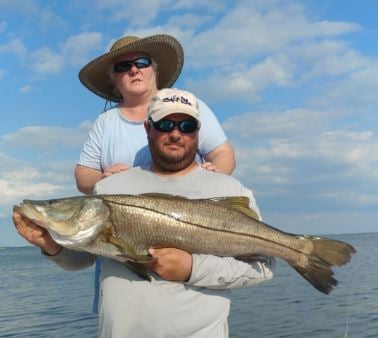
{"x":333,"y":252}
{"x":319,"y":274}
{"x":325,"y":254}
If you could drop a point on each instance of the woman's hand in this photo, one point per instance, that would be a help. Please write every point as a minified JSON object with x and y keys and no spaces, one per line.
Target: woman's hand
{"x":115,"y":168}
{"x":210,"y":167}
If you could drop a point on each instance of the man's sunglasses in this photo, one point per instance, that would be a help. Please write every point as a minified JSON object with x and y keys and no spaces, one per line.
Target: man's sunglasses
{"x":125,"y":66}
{"x":184,"y":126}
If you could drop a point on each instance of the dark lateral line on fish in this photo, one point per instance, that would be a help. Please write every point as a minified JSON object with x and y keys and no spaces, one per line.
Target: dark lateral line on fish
{"x":204,"y":227}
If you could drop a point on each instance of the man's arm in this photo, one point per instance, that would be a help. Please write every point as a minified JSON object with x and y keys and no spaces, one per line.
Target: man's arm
{"x":210,"y":271}
{"x":222,"y":158}
{"x":215,"y":272}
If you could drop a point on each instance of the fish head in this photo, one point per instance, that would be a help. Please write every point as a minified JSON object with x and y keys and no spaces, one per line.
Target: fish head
{"x":80,"y":216}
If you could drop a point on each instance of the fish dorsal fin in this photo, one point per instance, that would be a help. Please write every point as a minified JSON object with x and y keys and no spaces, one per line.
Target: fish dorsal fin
{"x":239,"y":203}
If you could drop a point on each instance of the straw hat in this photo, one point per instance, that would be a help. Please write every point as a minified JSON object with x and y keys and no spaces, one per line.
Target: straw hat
{"x":164,"y":49}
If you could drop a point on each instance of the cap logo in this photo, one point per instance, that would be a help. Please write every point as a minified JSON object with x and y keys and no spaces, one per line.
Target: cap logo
{"x":176,"y":98}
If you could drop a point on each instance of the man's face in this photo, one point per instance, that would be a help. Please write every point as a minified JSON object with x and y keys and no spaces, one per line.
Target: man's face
{"x":136,"y":80}
{"x":172,"y":151}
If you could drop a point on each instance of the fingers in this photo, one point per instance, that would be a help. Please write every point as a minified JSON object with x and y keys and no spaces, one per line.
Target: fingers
{"x":116,"y":168}
{"x":210,"y":167}
{"x":27,"y":229}
{"x":171,"y":263}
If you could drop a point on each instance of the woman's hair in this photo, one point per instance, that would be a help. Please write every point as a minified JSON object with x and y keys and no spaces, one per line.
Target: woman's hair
{"x":110,"y":75}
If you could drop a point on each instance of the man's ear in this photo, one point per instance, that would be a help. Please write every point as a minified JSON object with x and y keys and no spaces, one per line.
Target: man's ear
{"x":147,"y":126}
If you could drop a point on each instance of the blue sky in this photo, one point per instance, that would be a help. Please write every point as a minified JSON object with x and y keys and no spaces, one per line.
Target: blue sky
{"x":294,"y":84}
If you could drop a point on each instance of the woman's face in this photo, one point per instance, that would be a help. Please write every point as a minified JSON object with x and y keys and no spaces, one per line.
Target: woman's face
{"x":136,"y":81}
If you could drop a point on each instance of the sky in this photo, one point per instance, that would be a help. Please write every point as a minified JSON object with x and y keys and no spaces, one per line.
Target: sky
{"x":294,"y":84}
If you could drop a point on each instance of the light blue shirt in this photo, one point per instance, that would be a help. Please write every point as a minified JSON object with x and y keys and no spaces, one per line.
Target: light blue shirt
{"x":115,"y":139}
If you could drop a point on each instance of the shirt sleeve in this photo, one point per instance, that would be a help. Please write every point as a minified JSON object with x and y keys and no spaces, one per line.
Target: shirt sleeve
{"x":215,"y":272}
{"x":211,"y":134}
{"x":90,"y":155}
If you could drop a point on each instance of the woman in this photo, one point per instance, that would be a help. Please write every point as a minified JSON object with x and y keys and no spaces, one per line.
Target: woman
{"x":130,"y":74}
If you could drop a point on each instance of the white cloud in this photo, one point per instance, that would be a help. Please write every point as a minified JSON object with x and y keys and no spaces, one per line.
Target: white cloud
{"x":15,"y":46}
{"x":77,"y":48}
{"x":40,"y":137}
{"x":24,"y":184}
{"x":45,"y":61}
{"x":282,"y":155}
{"x":25,"y":89}
{"x":188,"y":21}
{"x":212,"y":6}
{"x":249,"y":30}
{"x":355,"y":92}
{"x":243,"y":83}
{"x":135,"y":13}
{"x":296,"y":123}
{"x":329,"y":57}
{"x":21,"y":179}
{"x":74,"y":51}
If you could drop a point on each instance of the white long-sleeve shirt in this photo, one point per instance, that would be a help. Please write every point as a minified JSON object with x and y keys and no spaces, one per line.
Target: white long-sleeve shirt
{"x":132,"y":307}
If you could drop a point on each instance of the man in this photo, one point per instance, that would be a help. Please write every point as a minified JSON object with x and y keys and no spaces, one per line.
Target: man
{"x":188,"y":294}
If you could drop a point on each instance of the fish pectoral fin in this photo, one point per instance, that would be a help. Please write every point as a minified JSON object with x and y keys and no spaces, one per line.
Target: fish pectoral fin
{"x":128,"y":253}
{"x":239,"y":203}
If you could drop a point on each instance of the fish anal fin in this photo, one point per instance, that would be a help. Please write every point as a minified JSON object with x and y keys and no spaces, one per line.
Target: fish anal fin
{"x":239,"y":203}
{"x":254,"y":259}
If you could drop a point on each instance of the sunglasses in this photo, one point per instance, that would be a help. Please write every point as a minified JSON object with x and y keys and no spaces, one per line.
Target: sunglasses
{"x":125,"y":66}
{"x":184,"y":126}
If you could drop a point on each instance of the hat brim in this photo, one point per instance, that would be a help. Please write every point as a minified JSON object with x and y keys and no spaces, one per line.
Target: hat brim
{"x":164,"y":49}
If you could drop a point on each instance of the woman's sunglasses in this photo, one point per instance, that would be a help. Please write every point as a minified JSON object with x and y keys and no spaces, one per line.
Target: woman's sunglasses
{"x":184,"y":126}
{"x":125,"y":66}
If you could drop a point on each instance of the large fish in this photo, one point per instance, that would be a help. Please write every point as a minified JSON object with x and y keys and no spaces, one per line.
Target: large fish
{"x":123,"y":227}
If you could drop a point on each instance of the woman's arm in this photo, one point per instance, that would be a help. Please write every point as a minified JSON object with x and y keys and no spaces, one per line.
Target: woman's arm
{"x":86,"y":178}
{"x":222,"y":159}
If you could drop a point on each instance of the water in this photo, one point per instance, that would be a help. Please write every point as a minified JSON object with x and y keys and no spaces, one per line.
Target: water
{"x":38,"y":299}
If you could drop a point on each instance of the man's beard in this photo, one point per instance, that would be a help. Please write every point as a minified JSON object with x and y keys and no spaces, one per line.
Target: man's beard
{"x":173,"y":163}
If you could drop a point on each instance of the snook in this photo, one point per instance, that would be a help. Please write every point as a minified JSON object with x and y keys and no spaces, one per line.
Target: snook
{"x":123,"y":227}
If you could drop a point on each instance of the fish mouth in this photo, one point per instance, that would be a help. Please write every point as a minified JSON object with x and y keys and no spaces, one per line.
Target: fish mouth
{"x":30,"y":211}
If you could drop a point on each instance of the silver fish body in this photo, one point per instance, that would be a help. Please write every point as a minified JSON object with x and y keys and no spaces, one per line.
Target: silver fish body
{"x":123,"y":227}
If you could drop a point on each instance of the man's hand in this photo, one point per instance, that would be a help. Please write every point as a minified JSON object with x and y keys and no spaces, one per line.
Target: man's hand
{"x":35,"y":234}
{"x":115,"y":168}
{"x":172,"y":264}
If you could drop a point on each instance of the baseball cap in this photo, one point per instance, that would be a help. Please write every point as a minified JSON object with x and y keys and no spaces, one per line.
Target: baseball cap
{"x":170,"y":101}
